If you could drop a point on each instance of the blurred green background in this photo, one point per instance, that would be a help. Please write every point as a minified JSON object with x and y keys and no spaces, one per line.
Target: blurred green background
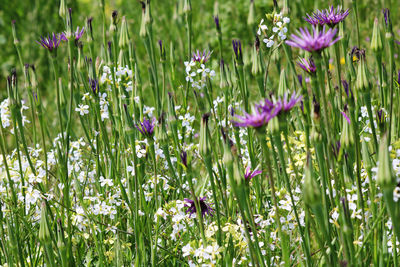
{"x":40,"y":17}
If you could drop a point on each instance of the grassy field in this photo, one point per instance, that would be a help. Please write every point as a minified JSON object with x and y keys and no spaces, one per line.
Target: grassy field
{"x":199,"y":133}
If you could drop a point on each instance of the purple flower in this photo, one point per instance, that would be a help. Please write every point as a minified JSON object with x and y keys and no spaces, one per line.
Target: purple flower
{"x":146,"y":127}
{"x":51,"y":43}
{"x":329,"y":16}
{"x":282,"y":105}
{"x":307,"y":65}
{"x":201,"y":57}
{"x":248,"y":175}
{"x":94,"y":85}
{"x":216,"y":20}
{"x":78,"y":34}
{"x":257,"y":119}
{"x":204,"y":207}
{"x":386,"y":14}
{"x":315,"y":41}
{"x":237,"y":48}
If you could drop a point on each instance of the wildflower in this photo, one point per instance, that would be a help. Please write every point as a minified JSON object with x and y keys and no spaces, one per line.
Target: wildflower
{"x":307,"y":65}
{"x":78,"y":34}
{"x":51,"y":43}
{"x":396,"y":194}
{"x":201,"y":57}
{"x":204,"y":207}
{"x":257,"y":119}
{"x":248,"y":175}
{"x":261,"y":27}
{"x":329,"y":16}
{"x":146,"y":127}
{"x":282,"y":104}
{"x":313,"y":42}
{"x":82,"y":109}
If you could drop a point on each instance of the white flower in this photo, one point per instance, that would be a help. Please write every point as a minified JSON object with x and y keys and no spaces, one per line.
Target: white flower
{"x":82,"y":109}
{"x":189,"y":65}
{"x":104,"y":182}
{"x":261,"y":27}
{"x":269,"y":42}
{"x":190,"y":76}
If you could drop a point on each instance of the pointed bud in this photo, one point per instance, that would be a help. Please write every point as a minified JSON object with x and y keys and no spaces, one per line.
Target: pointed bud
{"x":282,"y":84}
{"x":385,"y":177}
{"x":44,"y":231}
{"x":250,"y":18}
{"x":362,"y":82}
{"x":204,"y":143}
{"x":123,"y":34}
{"x":376,"y":42}
{"x":256,"y":66}
{"x":63,"y":9}
{"x":311,"y":189}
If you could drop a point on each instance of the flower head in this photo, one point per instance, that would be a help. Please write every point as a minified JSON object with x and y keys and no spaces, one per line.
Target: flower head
{"x":204,"y":207}
{"x":316,"y":41}
{"x":257,"y":119}
{"x":201,"y":57}
{"x":146,"y":127}
{"x":52,"y":42}
{"x":329,"y":16}
{"x":307,"y":65}
{"x":78,"y":34}
{"x":248,"y":175}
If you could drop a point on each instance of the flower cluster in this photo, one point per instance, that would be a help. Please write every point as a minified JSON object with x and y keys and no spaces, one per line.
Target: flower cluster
{"x":277,"y":31}
{"x":267,"y":110}
{"x":196,"y":71}
{"x":329,"y":16}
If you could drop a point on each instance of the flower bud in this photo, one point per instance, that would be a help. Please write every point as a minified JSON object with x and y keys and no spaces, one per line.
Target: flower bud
{"x":376,"y":42}
{"x":311,"y":189}
{"x":256,"y":64}
{"x":44,"y":231}
{"x":14,"y":32}
{"x":282,"y":83}
{"x":250,"y":18}
{"x":385,"y":177}
{"x":204,"y":143}
{"x":62,"y":10}
{"x":123,"y":34}
{"x":362,"y":82}
{"x":187,"y":6}
{"x":365,"y":156}
{"x":143,"y":23}
{"x":346,"y":137}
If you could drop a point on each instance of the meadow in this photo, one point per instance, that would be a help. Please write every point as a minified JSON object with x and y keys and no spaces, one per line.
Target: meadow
{"x":199,"y":133}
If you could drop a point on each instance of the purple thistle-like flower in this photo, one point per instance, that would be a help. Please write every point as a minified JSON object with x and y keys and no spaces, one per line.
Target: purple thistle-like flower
{"x":201,"y":57}
{"x":146,"y":127}
{"x":315,"y":41}
{"x":307,"y":65}
{"x":78,"y":34}
{"x":248,"y":175}
{"x":329,"y":16}
{"x":204,"y":207}
{"x":257,"y":119}
{"x":284,"y":104}
{"x":51,"y":43}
